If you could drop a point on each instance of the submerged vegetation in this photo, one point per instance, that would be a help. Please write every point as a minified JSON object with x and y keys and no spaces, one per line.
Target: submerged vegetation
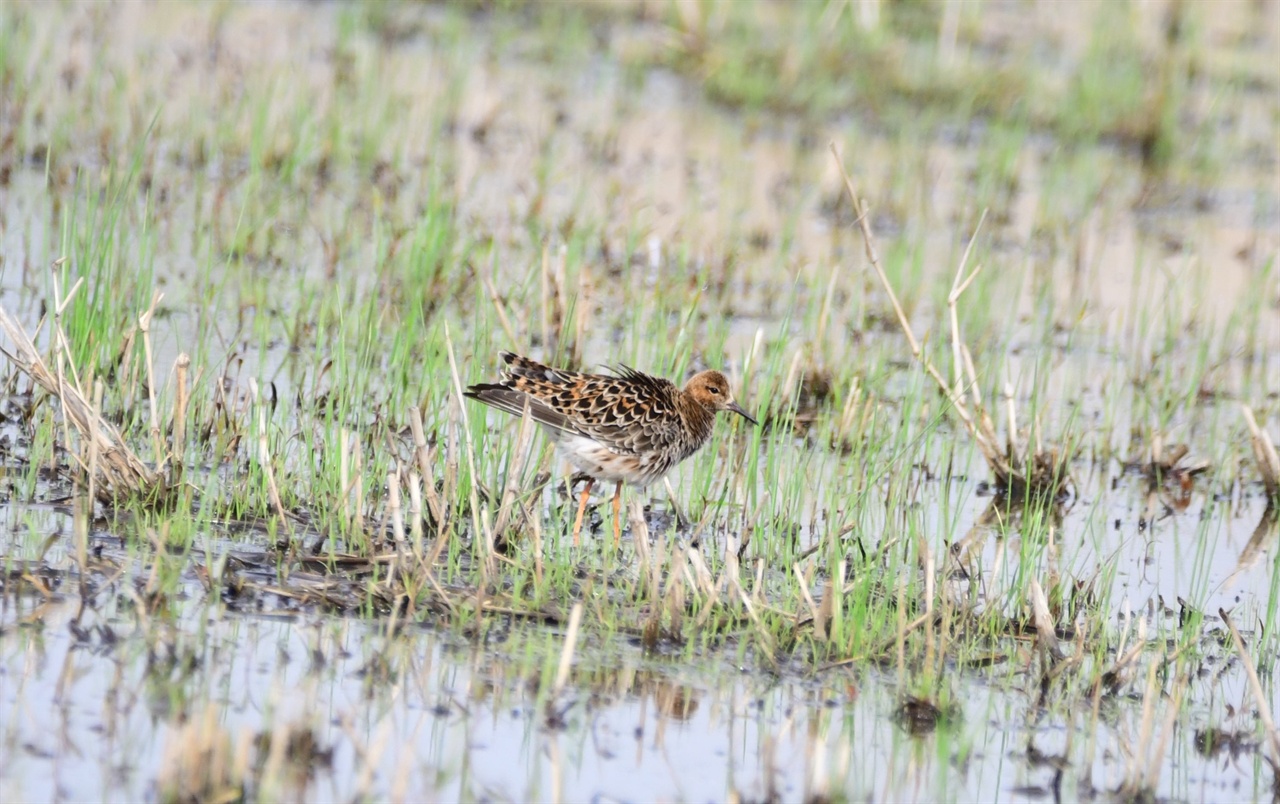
{"x":1014,"y":353}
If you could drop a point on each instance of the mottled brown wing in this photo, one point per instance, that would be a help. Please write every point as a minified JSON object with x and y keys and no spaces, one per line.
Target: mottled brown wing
{"x":521,"y":367}
{"x":631,"y":413}
{"x":528,"y":382}
{"x":513,"y":401}
{"x":637,"y":414}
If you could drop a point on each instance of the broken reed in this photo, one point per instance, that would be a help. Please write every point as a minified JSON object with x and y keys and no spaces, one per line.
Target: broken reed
{"x":1021,"y":470}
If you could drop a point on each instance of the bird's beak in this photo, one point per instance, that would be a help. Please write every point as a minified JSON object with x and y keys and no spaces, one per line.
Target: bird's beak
{"x":736,"y":408}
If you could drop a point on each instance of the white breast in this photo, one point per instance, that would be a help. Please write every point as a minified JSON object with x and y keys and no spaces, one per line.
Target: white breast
{"x":602,"y":463}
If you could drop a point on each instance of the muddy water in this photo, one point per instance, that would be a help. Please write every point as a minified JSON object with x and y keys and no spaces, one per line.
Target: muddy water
{"x":90,"y":700}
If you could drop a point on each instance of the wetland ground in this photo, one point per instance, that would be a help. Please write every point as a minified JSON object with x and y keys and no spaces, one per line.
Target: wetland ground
{"x":253,"y":545}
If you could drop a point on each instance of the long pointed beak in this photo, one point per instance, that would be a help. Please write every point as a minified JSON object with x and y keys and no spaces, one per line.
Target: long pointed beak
{"x":736,"y":408}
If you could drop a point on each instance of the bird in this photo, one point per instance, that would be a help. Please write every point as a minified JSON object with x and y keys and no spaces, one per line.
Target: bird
{"x":623,"y":427}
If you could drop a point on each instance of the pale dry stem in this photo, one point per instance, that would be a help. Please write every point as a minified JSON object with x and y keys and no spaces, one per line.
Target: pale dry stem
{"x":144,"y":324}
{"x":1259,"y":695}
{"x":1044,"y":620}
{"x":479,"y":522}
{"x":1264,"y":452}
{"x":1011,"y":470}
{"x":264,"y":457}
{"x":122,"y":470}
{"x":397,"y":521}
{"x":181,"y":399}
{"x":566,"y":653}
{"x":501,"y":310}
{"x":515,"y":471}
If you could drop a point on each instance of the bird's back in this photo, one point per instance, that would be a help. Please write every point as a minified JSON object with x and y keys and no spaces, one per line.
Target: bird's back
{"x":629,"y":412}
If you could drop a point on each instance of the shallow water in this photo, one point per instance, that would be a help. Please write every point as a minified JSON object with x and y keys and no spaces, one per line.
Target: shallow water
{"x":105,"y":700}
{"x":91,"y":699}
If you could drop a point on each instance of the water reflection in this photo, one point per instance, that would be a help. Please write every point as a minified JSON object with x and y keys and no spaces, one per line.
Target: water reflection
{"x":142,"y":699}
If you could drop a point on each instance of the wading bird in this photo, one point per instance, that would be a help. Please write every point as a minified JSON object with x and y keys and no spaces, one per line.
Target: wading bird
{"x":628,"y":427}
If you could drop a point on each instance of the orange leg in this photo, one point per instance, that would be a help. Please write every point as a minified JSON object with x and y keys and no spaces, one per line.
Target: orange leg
{"x":617,"y":515}
{"x":582,"y":506}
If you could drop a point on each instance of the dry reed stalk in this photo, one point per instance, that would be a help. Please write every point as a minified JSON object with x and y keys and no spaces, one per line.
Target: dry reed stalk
{"x":556,"y":771}
{"x":566,"y":653}
{"x":1259,"y":695}
{"x":553,"y":306}
{"x":815,"y":613}
{"x":837,"y":610}
{"x":732,"y":571}
{"x":640,"y":537}
{"x":750,"y":362}
{"x":128,"y":379}
{"x":765,"y":638}
{"x":439,"y":542}
{"x":501,"y":310}
{"x":675,"y":593}
{"x":791,"y":385}
{"x":659,"y":569}
{"x":61,"y":351}
{"x":1155,"y":758}
{"x":180,"y":368}
{"x":958,"y":287}
{"x":929,"y":567}
{"x":393,"y":619}
{"x":460,"y":401}
{"x":873,"y":255}
{"x":397,"y":521}
{"x":81,"y":513}
{"x":535,"y":524}
{"x":415,"y":513}
{"x":264,"y":458}
{"x":849,"y":413}
{"x":1264,"y":452}
{"x":144,"y":324}
{"x":682,"y":521}
{"x":702,"y":573}
{"x":826,"y":611}
{"x":201,"y":763}
{"x":93,"y":442}
{"x":515,"y":470}
{"x":86,"y":505}
{"x":1254,"y":548}
{"x":901,"y":640}
{"x":1020,"y":474}
{"x":406,"y":767}
{"x":1134,"y":773}
{"x":1130,"y":659}
{"x":824,"y":312}
{"x":1011,"y":412}
{"x":1044,"y":620}
{"x":1126,"y":617}
{"x":452,"y":463}
{"x":357,"y":482}
{"x":1091,"y":741}
{"x":122,"y":471}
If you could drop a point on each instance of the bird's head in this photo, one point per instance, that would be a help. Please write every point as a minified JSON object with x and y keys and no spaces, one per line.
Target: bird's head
{"x":710,"y":389}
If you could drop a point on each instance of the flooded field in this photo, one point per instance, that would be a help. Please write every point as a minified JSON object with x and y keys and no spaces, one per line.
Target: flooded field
{"x":255,"y":544}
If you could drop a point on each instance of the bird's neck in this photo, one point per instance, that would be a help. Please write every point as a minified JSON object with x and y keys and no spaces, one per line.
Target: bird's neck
{"x":698,"y":423}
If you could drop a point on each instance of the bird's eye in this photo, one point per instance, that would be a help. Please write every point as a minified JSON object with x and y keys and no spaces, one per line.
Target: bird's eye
{"x":714,"y":390}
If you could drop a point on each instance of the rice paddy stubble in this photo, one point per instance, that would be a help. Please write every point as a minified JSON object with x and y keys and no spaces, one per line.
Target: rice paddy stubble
{"x":329,"y":257}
